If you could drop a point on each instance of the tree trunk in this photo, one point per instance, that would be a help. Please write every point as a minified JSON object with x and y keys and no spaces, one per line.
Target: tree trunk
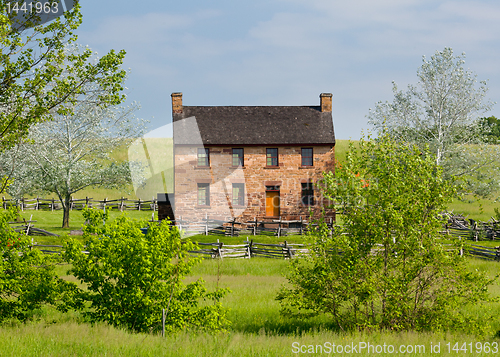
{"x":66,"y":207}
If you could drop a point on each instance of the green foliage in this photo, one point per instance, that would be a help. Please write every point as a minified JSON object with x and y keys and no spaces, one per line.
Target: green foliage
{"x":441,"y":112}
{"x":32,"y":61}
{"x":27,"y":277}
{"x":490,"y":129}
{"x":132,"y":276}
{"x":387,"y":266}
{"x":72,"y":151}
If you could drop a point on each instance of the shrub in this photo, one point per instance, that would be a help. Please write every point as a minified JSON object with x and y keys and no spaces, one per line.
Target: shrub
{"x":387,"y":266}
{"x":131,"y":276}
{"x":27,"y":277}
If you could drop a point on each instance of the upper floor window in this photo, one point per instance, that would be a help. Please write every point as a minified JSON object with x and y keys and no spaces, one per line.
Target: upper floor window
{"x":238,"y":194}
{"x":203,"y":157}
{"x":237,"y":157}
{"x":307,"y":157}
{"x":307,"y":194}
{"x":203,"y":194}
{"x":272,"y":157}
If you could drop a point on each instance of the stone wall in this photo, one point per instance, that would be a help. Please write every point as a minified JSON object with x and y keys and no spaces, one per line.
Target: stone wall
{"x":254,"y":174}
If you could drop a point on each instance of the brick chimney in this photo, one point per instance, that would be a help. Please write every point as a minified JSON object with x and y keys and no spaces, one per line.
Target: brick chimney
{"x":325,"y":100}
{"x":177,"y":103}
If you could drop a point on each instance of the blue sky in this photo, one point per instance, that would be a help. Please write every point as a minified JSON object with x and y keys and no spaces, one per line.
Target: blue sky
{"x":286,"y":52}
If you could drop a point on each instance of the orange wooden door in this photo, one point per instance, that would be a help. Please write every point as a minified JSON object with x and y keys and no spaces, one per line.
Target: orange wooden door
{"x":272,"y":203}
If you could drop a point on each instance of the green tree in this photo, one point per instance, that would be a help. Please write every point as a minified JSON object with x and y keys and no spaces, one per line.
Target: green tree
{"x":387,"y":265}
{"x":72,"y":152}
{"x":27,"y":277}
{"x":33,"y":61}
{"x":490,"y":129}
{"x":132,"y":276}
{"x":441,"y":112}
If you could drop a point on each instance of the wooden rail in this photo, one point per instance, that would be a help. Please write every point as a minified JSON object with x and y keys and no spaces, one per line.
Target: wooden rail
{"x":77,"y":204}
{"x":232,"y":227}
{"x":285,"y":250}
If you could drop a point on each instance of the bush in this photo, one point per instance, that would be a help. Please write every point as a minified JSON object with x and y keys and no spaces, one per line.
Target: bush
{"x":27,"y":277}
{"x":387,"y":266}
{"x":131,"y":276}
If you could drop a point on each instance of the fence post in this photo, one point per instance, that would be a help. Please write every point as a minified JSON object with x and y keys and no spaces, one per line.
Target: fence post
{"x":52,"y":205}
{"x":37,"y":203}
{"x":232,"y":227}
{"x":206,"y":224}
{"x":163,"y":323}
{"x":248,"y":249}
{"x":288,"y":250}
{"x":279,"y":227}
{"x":139,"y":205}
{"x":255,"y":226}
{"x":180,"y":223}
{"x":22,"y":203}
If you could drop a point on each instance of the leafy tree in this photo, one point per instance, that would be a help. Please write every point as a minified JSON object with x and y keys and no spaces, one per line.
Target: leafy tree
{"x":132,"y":276}
{"x":387,"y":266}
{"x":490,"y":129}
{"x":72,"y":152}
{"x":27,"y":277}
{"x":441,"y":111}
{"x":33,"y":87}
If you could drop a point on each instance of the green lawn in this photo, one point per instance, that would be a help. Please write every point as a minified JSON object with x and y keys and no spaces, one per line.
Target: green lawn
{"x":258,"y":328}
{"x":52,"y":221}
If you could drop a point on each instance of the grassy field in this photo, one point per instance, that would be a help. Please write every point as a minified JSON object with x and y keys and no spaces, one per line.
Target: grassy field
{"x":258,"y":328}
{"x":52,"y":221}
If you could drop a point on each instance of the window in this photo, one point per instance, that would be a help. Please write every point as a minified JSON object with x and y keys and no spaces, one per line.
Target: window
{"x":238,"y":194}
{"x":203,"y":194}
{"x":203,"y":157}
{"x":237,"y":157}
{"x":307,"y":194}
{"x":307,"y":157}
{"x":272,"y":157}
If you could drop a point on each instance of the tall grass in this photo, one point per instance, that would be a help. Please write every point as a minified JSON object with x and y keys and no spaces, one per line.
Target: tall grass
{"x":257,"y":328}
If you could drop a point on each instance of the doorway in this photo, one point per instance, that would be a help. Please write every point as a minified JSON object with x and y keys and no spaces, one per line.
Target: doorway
{"x":272,"y":201}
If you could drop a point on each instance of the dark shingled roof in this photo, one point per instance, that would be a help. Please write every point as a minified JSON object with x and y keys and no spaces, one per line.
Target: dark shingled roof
{"x":260,"y":125}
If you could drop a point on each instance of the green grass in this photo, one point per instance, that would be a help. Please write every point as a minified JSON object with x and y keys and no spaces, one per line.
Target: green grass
{"x":52,"y":221}
{"x":341,"y":148}
{"x":257,"y":328}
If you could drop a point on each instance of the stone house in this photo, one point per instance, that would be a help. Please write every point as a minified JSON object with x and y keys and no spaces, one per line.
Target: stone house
{"x":251,"y":161}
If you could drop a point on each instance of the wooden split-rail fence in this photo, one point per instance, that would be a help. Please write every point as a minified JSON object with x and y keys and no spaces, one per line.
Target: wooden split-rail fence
{"x":234,"y":228}
{"x":250,"y":249}
{"x":459,"y":226}
{"x":52,"y":204}
{"x":285,"y":250}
